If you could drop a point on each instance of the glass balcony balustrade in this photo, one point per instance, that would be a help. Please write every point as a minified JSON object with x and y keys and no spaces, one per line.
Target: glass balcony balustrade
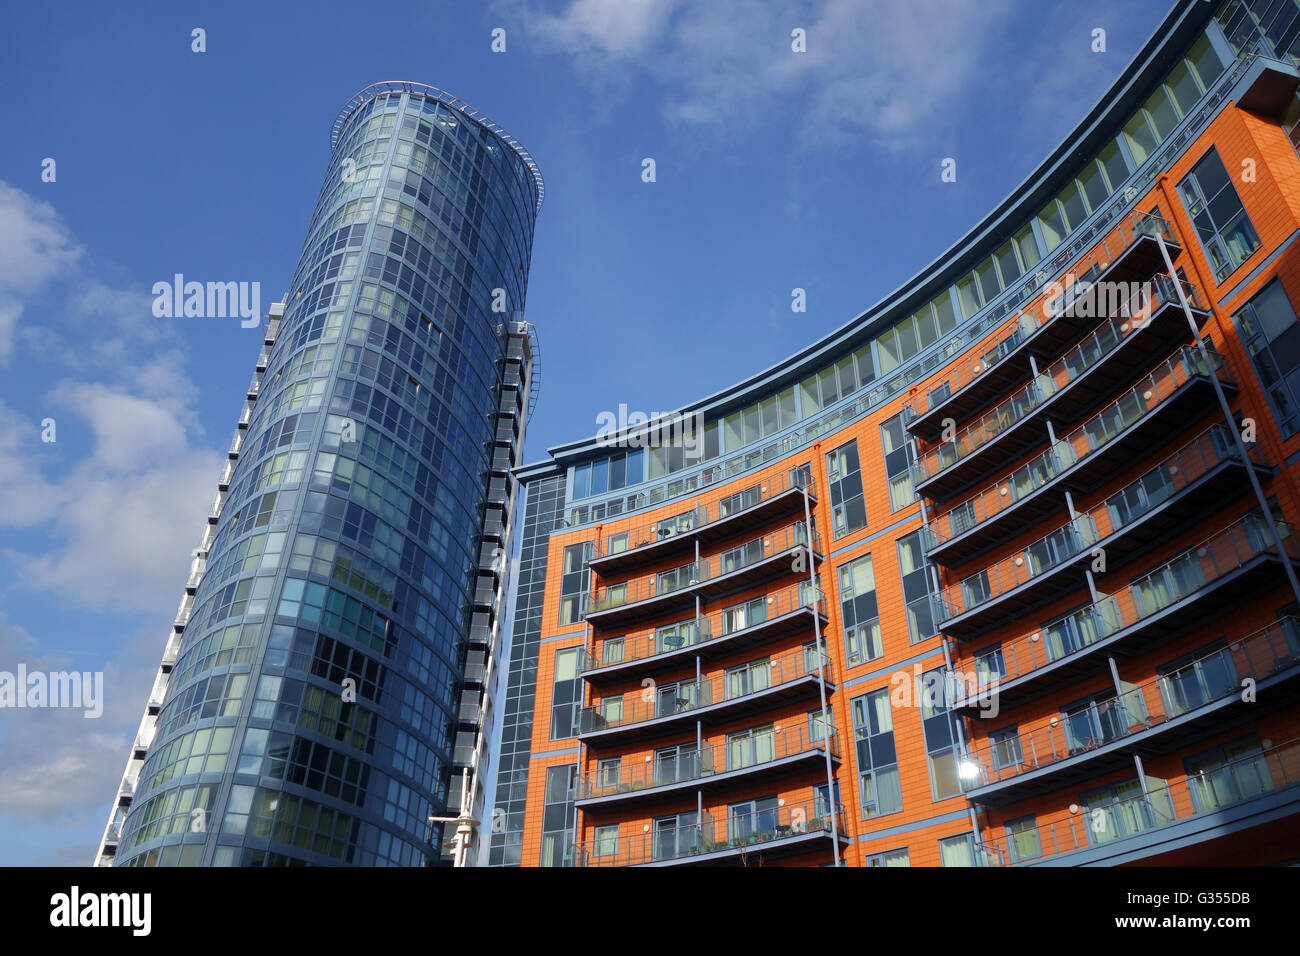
{"x":1068,"y":369}
{"x":758,"y":749}
{"x":730,"y":561}
{"x":741,"y":619}
{"x":1080,"y":444}
{"x":1196,"y":570}
{"x":650,"y":539}
{"x":1214,"y":676}
{"x":1209,"y":789}
{"x":1175,"y":473}
{"x":752,"y":827}
{"x":739,"y":684}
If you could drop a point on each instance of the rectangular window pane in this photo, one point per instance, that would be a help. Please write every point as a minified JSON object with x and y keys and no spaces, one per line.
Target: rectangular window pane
{"x":945,"y":315}
{"x":969,"y":297}
{"x":1161,"y":113}
{"x":1141,"y":141}
{"x":1052,"y":225}
{"x":1112,"y":161}
{"x":1093,"y":185}
{"x":1072,"y":206}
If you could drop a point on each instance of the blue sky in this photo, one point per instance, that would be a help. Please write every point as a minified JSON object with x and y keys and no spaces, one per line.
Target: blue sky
{"x":774,"y":170}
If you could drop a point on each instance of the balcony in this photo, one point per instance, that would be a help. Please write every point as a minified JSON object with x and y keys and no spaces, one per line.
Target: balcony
{"x":1155,"y":717}
{"x":172,"y":650}
{"x":1109,"y":356}
{"x":1128,"y":253}
{"x":751,"y":624}
{"x":762,"y":755}
{"x":158,"y":692}
{"x":776,"y":496}
{"x":744,"y":838}
{"x":753,"y":688}
{"x":1228,"y":798}
{"x":1176,"y":392}
{"x":752,"y":564}
{"x":1205,"y":473}
{"x":1230,"y":566}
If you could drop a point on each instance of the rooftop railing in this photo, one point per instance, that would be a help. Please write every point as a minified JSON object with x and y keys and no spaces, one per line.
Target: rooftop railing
{"x":1210,"y":678}
{"x":754,"y":749}
{"x":751,"y":830}
{"x":1097,"y":432}
{"x":1210,"y":789}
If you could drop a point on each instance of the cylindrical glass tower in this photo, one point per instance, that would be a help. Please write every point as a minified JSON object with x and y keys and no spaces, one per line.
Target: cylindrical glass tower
{"x":325,"y":690}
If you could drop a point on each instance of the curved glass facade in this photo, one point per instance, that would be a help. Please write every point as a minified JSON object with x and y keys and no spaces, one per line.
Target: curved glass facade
{"x":316,"y":710}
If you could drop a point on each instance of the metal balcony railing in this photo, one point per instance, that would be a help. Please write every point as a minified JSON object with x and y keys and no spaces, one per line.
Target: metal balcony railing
{"x":1072,"y":539}
{"x":756,"y":749}
{"x":1048,"y":552}
{"x":1211,"y":678}
{"x":970,"y":367}
{"x":1069,"y":368}
{"x":755,"y":829}
{"x":693,"y":573}
{"x":655,"y":642}
{"x":628,"y":541}
{"x":1207,"y":791}
{"x":1190,"y":571}
{"x":737,"y":684}
{"x":1097,"y":432}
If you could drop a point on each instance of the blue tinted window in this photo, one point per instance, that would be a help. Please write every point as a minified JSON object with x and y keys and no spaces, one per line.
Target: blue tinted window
{"x":582,"y":481}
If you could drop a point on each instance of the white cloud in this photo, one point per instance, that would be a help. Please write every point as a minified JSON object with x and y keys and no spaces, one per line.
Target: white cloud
{"x":617,"y":28}
{"x":60,"y":767}
{"x":34,"y":247}
{"x":883,"y":71}
{"x":122,"y":520}
{"x":121,"y":542}
{"x":122,"y":516}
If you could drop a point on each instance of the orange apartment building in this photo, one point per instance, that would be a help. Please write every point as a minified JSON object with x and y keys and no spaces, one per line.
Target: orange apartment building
{"x":1001,"y":573}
